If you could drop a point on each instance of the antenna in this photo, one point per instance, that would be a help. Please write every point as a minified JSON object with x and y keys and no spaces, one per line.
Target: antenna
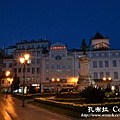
{"x":46,"y":37}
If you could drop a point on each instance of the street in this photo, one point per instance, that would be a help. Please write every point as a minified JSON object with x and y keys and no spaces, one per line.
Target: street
{"x":11,"y":109}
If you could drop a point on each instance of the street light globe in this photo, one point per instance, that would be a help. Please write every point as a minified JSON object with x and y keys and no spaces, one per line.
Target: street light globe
{"x":53,"y":79}
{"x":104,"y":79}
{"x":22,"y":60}
{"x":58,"y":79}
{"x":109,"y":78}
{"x":7,"y":73}
{"x":113,"y":88}
{"x":26,"y":56}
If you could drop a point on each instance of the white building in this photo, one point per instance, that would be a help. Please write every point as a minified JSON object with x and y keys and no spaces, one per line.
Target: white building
{"x":58,"y":68}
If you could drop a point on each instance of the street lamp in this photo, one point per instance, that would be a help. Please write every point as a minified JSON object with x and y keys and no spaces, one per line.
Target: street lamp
{"x":107,"y":80}
{"x":55,"y":80}
{"x":7,"y":73}
{"x":24,"y":60}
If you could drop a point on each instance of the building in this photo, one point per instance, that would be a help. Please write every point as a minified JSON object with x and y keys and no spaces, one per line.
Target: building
{"x":33,"y":71}
{"x":58,"y":70}
{"x":54,"y":67}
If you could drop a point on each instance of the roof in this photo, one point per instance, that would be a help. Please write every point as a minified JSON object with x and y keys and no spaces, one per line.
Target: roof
{"x":98,"y":36}
{"x":57,"y":44}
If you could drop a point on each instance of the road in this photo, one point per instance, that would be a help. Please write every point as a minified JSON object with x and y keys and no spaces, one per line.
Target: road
{"x":11,"y":109}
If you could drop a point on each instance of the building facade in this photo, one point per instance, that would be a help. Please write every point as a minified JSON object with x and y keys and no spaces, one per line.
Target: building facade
{"x":54,"y":67}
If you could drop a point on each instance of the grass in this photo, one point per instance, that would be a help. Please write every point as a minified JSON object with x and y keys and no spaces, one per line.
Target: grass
{"x":62,"y":111}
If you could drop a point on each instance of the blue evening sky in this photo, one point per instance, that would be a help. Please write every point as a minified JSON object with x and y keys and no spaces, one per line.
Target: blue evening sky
{"x":65,"y":21}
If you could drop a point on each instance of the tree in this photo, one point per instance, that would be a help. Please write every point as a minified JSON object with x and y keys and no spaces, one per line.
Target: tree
{"x":16,"y":82}
{"x":92,"y":94}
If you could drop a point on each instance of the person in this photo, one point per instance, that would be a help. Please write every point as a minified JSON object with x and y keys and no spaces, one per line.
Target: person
{"x":84,"y":47}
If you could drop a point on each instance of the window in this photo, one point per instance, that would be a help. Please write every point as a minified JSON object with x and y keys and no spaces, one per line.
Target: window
{"x":114,"y":63}
{"x":10,"y":64}
{"x":28,"y":46}
{"x":47,"y":78}
{"x":101,"y":75}
{"x":38,"y":70}
{"x":32,"y":46}
{"x":15,"y":70}
{"x":4,"y":65}
{"x":69,"y":66}
{"x":106,"y":64}
{"x":24,"y":70}
{"x":115,"y":75}
{"x":28,"y":69}
{"x":19,"y":70}
{"x":94,"y":64}
{"x":38,"y":53}
{"x":58,"y":66}
{"x":95,"y":75}
{"x":63,"y":67}
{"x":33,"y":53}
{"x":52,"y":67}
{"x":15,"y":64}
{"x":33,"y":61}
{"x":107,"y":74}
{"x":101,"y":64}
{"x":47,"y":67}
{"x":3,"y":81}
{"x":63,"y":55}
{"x":52,"y":55}
{"x":33,"y":70}
{"x":38,"y":61}
{"x":78,"y":64}
{"x":38,"y":46}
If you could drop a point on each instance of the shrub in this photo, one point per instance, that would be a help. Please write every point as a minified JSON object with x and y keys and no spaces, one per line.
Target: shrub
{"x":92,"y":94}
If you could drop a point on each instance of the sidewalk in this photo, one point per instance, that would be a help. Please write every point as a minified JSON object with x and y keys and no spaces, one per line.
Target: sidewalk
{"x":30,"y":112}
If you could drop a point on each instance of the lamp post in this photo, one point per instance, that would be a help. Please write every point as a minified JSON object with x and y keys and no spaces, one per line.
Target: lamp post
{"x":57,"y":80}
{"x":107,"y":80}
{"x":24,"y":60}
{"x":7,"y":73}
